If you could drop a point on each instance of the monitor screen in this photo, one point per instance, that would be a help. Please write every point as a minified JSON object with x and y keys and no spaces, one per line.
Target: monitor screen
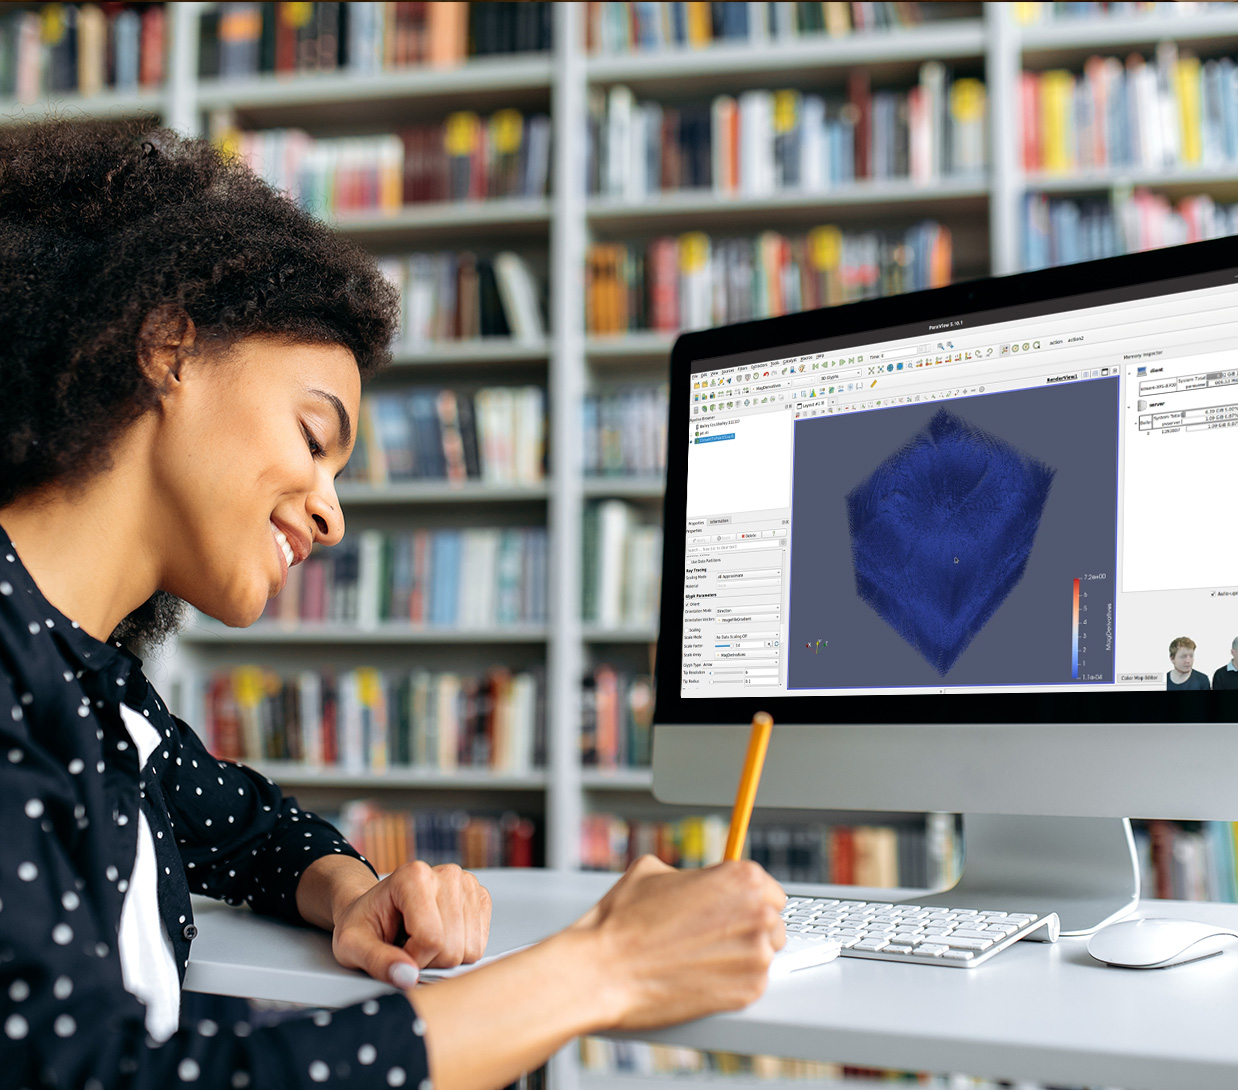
{"x":918,"y":509}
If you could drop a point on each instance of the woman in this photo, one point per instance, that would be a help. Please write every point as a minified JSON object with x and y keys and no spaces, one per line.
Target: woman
{"x":183,"y":356}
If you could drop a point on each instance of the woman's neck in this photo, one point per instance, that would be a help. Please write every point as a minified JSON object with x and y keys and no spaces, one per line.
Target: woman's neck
{"x":83,"y":548}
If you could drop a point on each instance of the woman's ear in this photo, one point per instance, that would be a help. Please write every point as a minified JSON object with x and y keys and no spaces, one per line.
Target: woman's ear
{"x":164,"y":342}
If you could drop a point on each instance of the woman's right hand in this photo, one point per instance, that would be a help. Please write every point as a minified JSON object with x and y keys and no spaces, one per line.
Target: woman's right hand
{"x":683,"y":944}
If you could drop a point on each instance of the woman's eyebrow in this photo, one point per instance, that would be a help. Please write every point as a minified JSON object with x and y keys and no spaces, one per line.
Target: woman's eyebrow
{"x":341,"y":412}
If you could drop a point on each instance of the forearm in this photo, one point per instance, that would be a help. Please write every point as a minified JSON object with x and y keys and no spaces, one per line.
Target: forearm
{"x":486,"y":1027}
{"x":329,"y":885}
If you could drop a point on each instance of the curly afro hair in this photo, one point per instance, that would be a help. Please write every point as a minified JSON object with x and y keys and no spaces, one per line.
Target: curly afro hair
{"x":103,"y":225}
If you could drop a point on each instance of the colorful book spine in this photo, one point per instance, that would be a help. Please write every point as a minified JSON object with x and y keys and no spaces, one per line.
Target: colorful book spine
{"x":616,"y":719}
{"x":763,"y":142}
{"x":493,"y":435}
{"x":1165,"y":111}
{"x":616,"y":28}
{"x":242,"y":40}
{"x":1060,"y":231}
{"x":910,"y":855}
{"x":464,"y":158}
{"x":625,"y":432}
{"x":82,"y":49}
{"x":389,"y":837}
{"x":367,"y":720}
{"x":621,"y":567}
{"x":476,"y":579}
{"x":720,"y":281}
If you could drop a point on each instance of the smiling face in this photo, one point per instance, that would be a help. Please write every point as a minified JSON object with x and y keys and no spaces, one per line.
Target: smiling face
{"x":244,"y":464}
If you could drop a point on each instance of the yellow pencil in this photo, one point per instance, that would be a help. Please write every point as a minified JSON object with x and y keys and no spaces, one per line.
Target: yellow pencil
{"x":758,"y":743}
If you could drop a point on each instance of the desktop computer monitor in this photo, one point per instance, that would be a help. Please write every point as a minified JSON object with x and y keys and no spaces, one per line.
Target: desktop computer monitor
{"x":975,"y":549}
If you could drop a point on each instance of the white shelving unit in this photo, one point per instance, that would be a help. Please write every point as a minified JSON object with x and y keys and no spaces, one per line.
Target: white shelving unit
{"x":984,"y":211}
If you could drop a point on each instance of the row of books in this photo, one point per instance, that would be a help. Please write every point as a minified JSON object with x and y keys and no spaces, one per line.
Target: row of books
{"x":1059,"y":230}
{"x":464,"y":158}
{"x":1032,"y":12}
{"x":624,"y":432}
{"x":470,"y":579}
{"x":651,"y":27}
{"x":621,"y":576}
{"x":389,"y":837}
{"x":603,"y":1056}
{"x":496,"y":435}
{"x":763,"y":142}
{"x":460,"y":296}
{"x":883,"y":857}
{"x":371,"y":720}
{"x":81,"y":48}
{"x":247,"y":39}
{"x":616,"y":718}
{"x":1171,"y":111}
{"x":1188,"y":860}
{"x":693,"y":281}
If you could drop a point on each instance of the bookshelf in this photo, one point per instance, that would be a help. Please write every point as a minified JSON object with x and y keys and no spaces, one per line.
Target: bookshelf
{"x":984,"y":213}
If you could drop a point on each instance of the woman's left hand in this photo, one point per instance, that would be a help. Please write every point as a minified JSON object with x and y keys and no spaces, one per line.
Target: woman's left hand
{"x":418,"y":916}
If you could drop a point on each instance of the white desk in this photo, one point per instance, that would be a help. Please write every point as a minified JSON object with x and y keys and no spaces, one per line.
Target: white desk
{"x":1047,"y":1013}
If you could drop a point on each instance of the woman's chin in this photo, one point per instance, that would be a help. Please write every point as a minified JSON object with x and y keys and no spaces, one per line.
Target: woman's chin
{"x":234,"y":614}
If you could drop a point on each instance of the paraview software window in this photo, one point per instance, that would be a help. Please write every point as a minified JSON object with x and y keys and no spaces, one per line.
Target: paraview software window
{"x":1020,"y":505}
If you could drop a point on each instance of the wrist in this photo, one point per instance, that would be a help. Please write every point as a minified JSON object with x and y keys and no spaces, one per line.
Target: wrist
{"x":604,"y":987}
{"x":329,"y":886}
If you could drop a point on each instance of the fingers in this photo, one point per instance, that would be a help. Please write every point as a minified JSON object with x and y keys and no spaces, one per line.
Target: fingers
{"x":446,"y":913}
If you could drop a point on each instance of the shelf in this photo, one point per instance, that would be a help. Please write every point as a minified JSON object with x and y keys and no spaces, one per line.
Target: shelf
{"x":330,"y":99}
{"x":626,"y":488}
{"x":414,"y":224}
{"x":271,"y":634}
{"x":106,"y":104}
{"x":293,"y":773}
{"x":891,"y":55}
{"x":410,"y":492}
{"x":625,"y":348}
{"x":592,"y":633}
{"x":861,"y":200}
{"x":617,"y":779}
{"x":711,"y":1080}
{"x":1071,"y":41}
{"x":1219,"y":181}
{"x":488,"y":350}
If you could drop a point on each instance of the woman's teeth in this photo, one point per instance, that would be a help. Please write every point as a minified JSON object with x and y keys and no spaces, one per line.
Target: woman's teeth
{"x":283,"y":544}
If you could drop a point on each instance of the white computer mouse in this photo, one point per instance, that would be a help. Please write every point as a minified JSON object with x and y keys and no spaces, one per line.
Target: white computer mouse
{"x":1158,"y":943}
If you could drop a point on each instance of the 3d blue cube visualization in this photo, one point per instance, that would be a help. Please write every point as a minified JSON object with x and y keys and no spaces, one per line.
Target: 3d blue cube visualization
{"x":941,"y":533}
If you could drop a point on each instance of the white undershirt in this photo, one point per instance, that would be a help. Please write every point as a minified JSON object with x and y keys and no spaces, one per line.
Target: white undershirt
{"x":147,"y":962}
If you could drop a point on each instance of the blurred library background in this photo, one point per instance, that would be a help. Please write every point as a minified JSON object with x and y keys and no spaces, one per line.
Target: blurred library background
{"x":557,"y":189}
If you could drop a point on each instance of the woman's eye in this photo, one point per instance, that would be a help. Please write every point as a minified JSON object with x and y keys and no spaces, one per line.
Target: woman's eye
{"x":315,"y":447}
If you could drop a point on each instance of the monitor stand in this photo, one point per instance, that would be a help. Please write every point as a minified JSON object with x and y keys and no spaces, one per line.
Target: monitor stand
{"x":1084,"y":869}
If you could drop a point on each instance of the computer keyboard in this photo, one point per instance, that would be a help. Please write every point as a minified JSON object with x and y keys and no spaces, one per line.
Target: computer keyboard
{"x":962,"y":937}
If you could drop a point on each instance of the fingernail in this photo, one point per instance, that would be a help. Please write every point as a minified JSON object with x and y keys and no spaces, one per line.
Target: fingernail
{"x":404,"y":975}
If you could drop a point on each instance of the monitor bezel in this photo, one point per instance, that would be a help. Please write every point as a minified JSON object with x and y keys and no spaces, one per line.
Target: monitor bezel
{"x":1194,"y":265}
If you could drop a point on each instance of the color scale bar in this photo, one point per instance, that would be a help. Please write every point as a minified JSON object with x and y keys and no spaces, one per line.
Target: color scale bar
{"x":1074,"y":642}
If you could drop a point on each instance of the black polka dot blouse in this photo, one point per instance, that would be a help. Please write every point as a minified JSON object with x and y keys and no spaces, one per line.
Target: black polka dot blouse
{"x":70,"y":793}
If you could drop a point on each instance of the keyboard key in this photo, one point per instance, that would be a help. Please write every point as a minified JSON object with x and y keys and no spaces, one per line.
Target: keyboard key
{"x":958,"y":955}
{"x":930,"y":949}
{"x":966,"y":944}
{"x":972,"y":933}
{"x":872,"y":945}
{"x":1025,"y":917}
